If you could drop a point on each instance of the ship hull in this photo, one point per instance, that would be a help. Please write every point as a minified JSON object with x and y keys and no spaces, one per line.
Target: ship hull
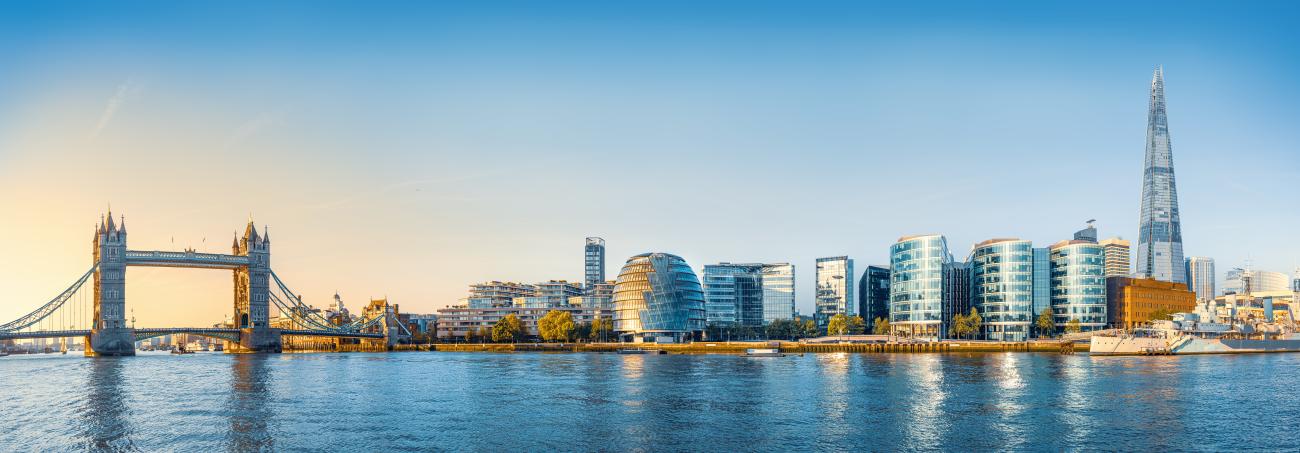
{"x":1110,"y":345}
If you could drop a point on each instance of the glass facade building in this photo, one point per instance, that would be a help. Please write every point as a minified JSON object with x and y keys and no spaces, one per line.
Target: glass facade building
{"x":594,"y":262}
{"x":778,"y":291}
{"x":834,"y":289}
{"x":733,"y":294}
{"x":1160,"y":237}
{"x":1246,"y":281}
{"x":1200,"y":277}
{"x":956,"y":293}
{"x":873,"y":294}
{"x":1079,"y":284}
{"x":916,"y":267}
{"x":657,"y":296}
{"x":1002,"y":287}
{"x":1042,"y":280}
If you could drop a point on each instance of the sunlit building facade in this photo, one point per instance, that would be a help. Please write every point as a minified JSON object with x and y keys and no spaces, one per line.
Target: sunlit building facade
{"x":778,"y":291}
{"x":1247,"y":281}
{"x":593,"y":262}
{"x":1118,"y":255}
{"x":733,"y":294}
{"x":657,"y":297}
{"x":834,"y":290}
{"x":1079,"y":284}
{"x":1200,"y":277}
{"x":1002,"y":287}
{"x":1160,"y":237}
{"x":916,"y":268}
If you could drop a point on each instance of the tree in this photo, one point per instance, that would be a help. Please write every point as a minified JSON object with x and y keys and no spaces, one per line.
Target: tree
{"x":1072,"y":326}
{"x":1161,"y":313}
{"x":783,"y":329}
{"x":581,"y":331}
{"x":469,"y":335}
{"x":957,"y":327}
{"x":808,"y":329}
{"x":973,"y":322}
{"x":484,"y":334}
{"x":1046,"y":325}
{"x":838,"y":325}
{"x":856,"y":325}
{"x":600,"y":329}
{"x":508,"y":329}
{"x":881,"y":326}
{"x":557,"y":325}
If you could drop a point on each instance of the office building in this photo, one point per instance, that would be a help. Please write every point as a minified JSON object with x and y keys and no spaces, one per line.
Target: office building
{"x":1088,"y":234}
{"x":594,"y":262}
{"x":956,"y":293}
{"x":777,"y":280}
{"x":834,"y":291}
{"x":1131,"y":301}
{"x":1002,"y":287}
{"x":733,"y":294}
{"x":1117,"y":257}
{"x":1160,"y":237}
{"x":1200,"y":276}
{"x":658,"y":298}
{"x":1079,"y":284}
{"x":916,"y":271}
{"x":873,"y":294}
{"x":1042,"y":280}
{"x":1248,"y":281}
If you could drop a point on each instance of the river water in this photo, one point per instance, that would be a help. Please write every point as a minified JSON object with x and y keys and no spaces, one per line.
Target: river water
{"x":564,"y":401}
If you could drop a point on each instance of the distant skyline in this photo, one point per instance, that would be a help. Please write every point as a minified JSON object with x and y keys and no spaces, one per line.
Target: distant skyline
{"x":409,"y":150}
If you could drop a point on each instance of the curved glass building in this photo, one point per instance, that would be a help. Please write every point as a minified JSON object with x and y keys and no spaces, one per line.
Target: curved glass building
{"x":657,"y":295}
{"x":916,"y":265}
{"x":1079,"y":284}
{"x":1002,"y":287}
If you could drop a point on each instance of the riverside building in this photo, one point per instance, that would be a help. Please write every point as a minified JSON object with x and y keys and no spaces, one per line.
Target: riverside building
{"x":455,"y":323}
{"x":658,"y":298}
{"x":1200,"y":276}
{"x":834,"y":291}
{"x":594,"y":262}
{"x":1117,"y":257}
{"x":1131,"y":301}
{"x":1002,"y":287}
{"x":916,"y":271}
{"x":777,"y":280}
{"x":1248,"y":281}
{"x":873,"y":294}
{"x":733,"y":294}
{"x":1078,"y":284}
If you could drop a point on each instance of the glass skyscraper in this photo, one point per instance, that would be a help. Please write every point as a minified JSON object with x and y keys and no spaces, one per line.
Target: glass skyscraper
{"x":733,"y":294}
{"x":1160,"y":237}
{"x":778,"y":291}
{"x":916,"y":268}
{"x":594,"y":262}
{"x":657,"y":295}
{"x":834,"y":289}
{"x":873,"y":294}
{"x":1002,"y":287}
{"x":1079,"y":284}
{"x":1200,"y":277}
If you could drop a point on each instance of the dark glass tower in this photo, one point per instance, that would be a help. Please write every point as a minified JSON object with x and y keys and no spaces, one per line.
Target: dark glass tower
{"x":1160,"y":237}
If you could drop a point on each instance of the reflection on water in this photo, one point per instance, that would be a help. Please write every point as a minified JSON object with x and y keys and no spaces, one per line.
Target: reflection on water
{"x":612,"y":402}
{"x":249,"y":396}
{"x":105,"y":415}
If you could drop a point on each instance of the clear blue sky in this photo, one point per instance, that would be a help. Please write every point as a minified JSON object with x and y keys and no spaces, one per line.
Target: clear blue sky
{"x":410,"y":148}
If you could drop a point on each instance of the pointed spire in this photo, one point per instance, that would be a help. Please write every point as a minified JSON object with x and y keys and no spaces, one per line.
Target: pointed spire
{"x":123,"y":223}
{"x":266,"y":234}
{"x":112,"y":228}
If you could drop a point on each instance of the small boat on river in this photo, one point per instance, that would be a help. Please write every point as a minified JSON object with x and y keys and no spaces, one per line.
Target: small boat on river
{"x":764,"y":352}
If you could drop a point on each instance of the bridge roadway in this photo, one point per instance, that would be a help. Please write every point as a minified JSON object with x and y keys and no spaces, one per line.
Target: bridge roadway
{"x":213,"y":332}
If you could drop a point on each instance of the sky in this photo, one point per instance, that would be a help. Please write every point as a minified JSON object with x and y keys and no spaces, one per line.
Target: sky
{"x":407,"y":149}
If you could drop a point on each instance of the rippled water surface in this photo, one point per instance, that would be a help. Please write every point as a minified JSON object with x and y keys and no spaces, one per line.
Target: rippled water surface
{"x":533,"y":401}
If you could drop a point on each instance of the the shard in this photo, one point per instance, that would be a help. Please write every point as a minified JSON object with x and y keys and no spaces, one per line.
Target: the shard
{"x":1160,"y":239}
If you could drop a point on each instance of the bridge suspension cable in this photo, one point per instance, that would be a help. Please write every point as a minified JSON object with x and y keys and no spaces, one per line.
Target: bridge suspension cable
{"x":310,"y":317}
{"x":41,"y":314}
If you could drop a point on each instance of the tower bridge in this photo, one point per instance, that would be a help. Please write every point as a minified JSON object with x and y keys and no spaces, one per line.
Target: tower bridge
{"x":98,"y":312}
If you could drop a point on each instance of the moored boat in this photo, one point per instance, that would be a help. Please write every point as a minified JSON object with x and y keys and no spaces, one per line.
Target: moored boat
{"x":764,"y":352}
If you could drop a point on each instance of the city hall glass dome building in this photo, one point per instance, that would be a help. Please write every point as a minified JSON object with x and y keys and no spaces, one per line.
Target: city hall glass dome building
{"x":656,"y":297}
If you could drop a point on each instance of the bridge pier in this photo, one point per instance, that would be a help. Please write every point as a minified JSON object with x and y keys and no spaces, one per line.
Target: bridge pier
{"x":110,"y":342}
{"x":253,"y":340}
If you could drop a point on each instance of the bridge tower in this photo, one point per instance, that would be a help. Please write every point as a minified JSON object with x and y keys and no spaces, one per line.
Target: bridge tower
{"x":109,"y":335}
{"x":253,"y":293}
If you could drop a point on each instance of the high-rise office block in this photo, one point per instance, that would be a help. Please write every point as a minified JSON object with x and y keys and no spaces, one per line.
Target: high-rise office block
{"x":873,"y":294}
{"x":778,"y":291}
{"x":733,"y":294}
{"x":1002,"y":287}
{"x":1078,"y":284}
{"x":956,"y":293}
{"x":1042,"y":280}
{"x":1160,"y":237}
{"x":1200,"y":277}
{"x":916,"y":271}
{"x":834,"y":293}
{"x":1117,"y":257}
{"x":594,"y":260}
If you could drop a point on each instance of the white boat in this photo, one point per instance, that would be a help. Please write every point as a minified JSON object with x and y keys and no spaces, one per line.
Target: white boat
{"x":764,"y":352}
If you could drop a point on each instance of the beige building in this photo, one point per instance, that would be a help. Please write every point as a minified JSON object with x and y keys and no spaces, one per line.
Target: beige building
{"x":1117,"y":257}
